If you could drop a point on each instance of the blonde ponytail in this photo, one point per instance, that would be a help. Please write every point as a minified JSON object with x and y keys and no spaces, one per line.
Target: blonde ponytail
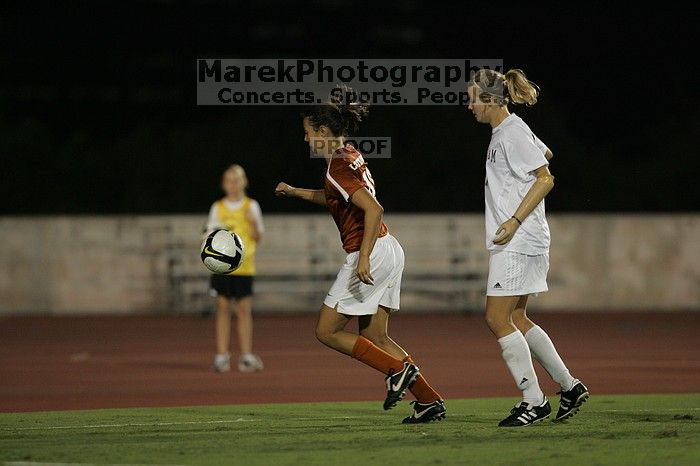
{"x":520,"y":89}
{"x":503,"y":89}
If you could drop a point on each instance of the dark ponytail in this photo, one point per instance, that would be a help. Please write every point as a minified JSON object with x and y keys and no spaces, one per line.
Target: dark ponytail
{"x":342,"y":114}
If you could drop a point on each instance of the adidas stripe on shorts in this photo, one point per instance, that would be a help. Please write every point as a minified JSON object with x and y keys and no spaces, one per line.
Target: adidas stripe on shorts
{"x":516,"y":274}
{"x":349,"y":295}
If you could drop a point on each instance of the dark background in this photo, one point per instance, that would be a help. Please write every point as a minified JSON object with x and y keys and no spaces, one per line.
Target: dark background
{"x":98,"y":109}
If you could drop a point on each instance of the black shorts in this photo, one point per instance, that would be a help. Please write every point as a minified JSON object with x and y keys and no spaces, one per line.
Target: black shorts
{"x":232,"y":286}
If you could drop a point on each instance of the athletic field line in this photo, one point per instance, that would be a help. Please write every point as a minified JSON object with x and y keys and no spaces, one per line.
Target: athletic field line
{"x":136,"y":424}
{"x":161,"y":424}
{"x":240,"y":419}
{"x":644,"y":410}
{"x":33,"y":463}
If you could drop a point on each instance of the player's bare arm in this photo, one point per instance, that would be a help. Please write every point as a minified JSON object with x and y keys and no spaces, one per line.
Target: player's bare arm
{"x":373,"y":221}
{"x":543,"y":184}
{"x":252,"y":220}
{"x":548,"y":155}
{"x":317,"y":196}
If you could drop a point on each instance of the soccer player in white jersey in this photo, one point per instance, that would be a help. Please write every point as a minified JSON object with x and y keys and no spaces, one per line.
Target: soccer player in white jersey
{"x":517,"y":237}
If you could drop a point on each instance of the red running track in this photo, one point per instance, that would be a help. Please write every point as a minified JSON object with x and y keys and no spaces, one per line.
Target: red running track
{"x":58,"y":363}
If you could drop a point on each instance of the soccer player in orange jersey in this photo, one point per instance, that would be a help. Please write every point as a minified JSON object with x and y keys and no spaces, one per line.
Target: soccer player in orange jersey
{"x":369,"y":282}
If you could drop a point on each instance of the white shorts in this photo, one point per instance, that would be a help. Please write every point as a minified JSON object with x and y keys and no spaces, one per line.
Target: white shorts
{"x":515,"y":274}
{"x":349,"y":295}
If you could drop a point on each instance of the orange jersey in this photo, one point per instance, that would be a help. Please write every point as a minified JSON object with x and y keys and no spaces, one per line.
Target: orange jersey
{"x":347,"y":173}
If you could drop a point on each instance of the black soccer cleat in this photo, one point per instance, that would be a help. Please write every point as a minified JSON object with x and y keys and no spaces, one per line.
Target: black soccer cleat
{"x":398,"y":383}
{"x":571,"y":401}
{"x":428,"y":412}
{"x":524,"y":414}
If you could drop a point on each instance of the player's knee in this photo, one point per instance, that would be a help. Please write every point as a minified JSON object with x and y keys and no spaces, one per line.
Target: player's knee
{"x":519,"y":319}
{"x":324,"y":336}
{"x":495,"y":321}
{"x":242,"y":311}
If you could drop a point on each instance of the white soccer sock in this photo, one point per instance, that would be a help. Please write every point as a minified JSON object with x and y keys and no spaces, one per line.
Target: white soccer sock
{"x":516,"y":354}
{"x":543,"y":350}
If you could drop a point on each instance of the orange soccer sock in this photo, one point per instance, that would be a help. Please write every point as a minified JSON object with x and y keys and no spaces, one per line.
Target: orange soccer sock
{"x":375,"y":357}
{"x":423,"y":392}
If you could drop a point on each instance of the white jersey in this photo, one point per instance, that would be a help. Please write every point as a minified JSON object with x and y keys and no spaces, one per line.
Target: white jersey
{"x":514,"y":153}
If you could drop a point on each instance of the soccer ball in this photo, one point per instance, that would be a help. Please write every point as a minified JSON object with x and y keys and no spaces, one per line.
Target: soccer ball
{"x":223,"y":251}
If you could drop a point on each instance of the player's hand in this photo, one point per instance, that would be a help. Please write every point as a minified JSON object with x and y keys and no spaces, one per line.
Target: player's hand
{"x":506,"y":231}
{"x":284,"y":190}
{"x":362,"y":271}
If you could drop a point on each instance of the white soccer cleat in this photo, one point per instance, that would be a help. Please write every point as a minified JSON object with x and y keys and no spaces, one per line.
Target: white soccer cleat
{"x":250,"y":363}
{"x":222,"y":362}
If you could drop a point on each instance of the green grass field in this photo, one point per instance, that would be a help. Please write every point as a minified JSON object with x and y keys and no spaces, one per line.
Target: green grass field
{"x":633,"y":430}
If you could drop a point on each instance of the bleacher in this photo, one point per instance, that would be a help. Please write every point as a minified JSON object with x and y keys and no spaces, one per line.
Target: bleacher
{"x":301,"y":254}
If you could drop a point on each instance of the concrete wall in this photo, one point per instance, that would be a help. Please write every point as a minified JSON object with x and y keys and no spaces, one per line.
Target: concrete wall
{"x":624,"y":262}
{"x":146,"y":264}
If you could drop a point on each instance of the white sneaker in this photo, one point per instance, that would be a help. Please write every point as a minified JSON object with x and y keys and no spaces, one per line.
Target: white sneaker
{"x":222,"y":362}
{"x":250,"y":363}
